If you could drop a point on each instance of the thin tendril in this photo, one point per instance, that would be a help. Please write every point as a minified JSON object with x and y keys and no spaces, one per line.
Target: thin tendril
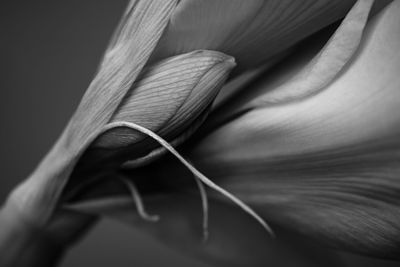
{"x":138,"y":201}
{"x":197,"y":174}
{"x":204,"y":203}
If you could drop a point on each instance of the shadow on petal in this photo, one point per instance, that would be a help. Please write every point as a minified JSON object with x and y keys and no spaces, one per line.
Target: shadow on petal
{"x":235,"y":238}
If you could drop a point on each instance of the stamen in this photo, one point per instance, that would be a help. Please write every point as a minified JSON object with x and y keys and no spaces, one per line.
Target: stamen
{"x":138,"y":201}
{"x":191,"y":168}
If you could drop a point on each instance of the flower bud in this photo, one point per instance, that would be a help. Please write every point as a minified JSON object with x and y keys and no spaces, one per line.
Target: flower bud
{"x":168,"y":98}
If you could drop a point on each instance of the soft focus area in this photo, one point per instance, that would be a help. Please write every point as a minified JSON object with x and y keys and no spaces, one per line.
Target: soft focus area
{"x":49,"y":53}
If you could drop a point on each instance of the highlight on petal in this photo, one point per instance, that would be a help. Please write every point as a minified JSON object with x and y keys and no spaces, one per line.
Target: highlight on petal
{"x":251,"y":31}
{"x":327,"y":64}
{"x":326,"y":166}
{"x":325,"y":55}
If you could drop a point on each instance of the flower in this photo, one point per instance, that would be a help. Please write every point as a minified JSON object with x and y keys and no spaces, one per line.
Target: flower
{"x":310,"y":143}
{"x":326,"y":165}
{"x":171,"y":98}
{"x":37,"y":197}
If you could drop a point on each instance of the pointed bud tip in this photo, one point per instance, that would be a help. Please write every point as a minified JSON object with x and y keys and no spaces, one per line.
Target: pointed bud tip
{"x":219,"y":57}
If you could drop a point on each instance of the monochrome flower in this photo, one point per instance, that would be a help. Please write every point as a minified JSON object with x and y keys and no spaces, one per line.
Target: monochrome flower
{"x":302,"y":136}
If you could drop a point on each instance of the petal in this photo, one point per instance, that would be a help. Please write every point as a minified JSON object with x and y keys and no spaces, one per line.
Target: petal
{"x":252,"y":31}
{"x":326,"y":166}
{"x":292,"y":80}
{"x":328,"y":62}
{"x":124,"y":59}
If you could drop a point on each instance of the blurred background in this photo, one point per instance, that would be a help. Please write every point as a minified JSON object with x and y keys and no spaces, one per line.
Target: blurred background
{"x":49,"y":51}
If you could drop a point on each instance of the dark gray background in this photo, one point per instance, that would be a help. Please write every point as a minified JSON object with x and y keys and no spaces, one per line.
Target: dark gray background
{"x":49,"y":51}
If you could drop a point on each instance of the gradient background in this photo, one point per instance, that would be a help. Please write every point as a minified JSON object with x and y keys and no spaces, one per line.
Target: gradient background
{"x":49,"y":51}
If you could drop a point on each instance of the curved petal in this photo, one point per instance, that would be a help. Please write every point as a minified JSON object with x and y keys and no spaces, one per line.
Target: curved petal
{"x":327,"y":166}
{"x":126,"y":56}
{"x":292,"y":79}
{"x":251,"y":31}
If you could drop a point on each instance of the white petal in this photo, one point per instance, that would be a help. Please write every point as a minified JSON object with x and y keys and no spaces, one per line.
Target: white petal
{"x":328,"y":165}
{"x":310,"y":68}
{"x":127,"y":54}
{"x":122,"y":62}
{"x":252,"y":31}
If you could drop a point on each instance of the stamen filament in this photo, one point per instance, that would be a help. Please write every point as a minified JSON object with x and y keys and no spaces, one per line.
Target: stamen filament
{"x":204,"y":203}
{"x":138,"y":201}
{"x":196,"y":173}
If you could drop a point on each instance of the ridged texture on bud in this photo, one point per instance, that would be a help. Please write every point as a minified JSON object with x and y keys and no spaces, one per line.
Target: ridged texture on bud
{"x":168,"y":98}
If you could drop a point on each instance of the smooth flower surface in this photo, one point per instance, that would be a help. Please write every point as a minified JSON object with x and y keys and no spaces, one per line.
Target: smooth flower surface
{"x":251,"y":31}
{"x":314,"y":149}
{"x":327,"y":165}
{"x":309,"y":141}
